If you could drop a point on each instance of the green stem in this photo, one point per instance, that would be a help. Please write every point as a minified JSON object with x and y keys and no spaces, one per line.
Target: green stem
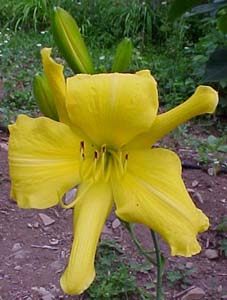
{"x":138,"y":245}
{"x":159,"y":290}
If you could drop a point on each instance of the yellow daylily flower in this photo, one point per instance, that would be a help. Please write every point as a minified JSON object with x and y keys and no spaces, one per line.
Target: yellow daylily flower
{"x":108,"y":122}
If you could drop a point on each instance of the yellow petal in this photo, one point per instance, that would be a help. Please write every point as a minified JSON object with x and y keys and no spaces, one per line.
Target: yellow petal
{"x":90,"y":213}
{"x":56,"y":82}
{"x":112,"y":108}
{"x":43,"y":161}
{"x":153,"y":193}
{"x":204,"y":100}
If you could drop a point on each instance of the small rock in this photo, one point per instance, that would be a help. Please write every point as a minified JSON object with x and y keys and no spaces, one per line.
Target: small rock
{"x":194,"y":294}
{"x":210,"y":190}
{"x":116,"y":223}
{"x":223,"y":200}
{"x":18,"y":268}
{"x":20,"y":254}
{"x":211,"y":171}
{"x":36,"y":225}
{"x":198,"y":196}
{"x":4,"y":146}
{"x":46,"y":219}
{"x":211,"y":253}
{"x":190,"y":190}
{"x":194,"y":183}
{"x":107,"y":230}
{"x":29,"y":225}
{"x":70,"y":196}
{"x":54,"y":241}
{"x":189,"y":265}
{"x":57,"y":265}
{"x":46,"y":295}
{"x":219,"y":289}
{"x":16,"y":247}
{"x":224,"y":297}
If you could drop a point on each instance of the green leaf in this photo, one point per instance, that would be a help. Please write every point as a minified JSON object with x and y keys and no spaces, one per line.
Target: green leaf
{"x":70,"y":42}
{"x":179,"y":7}
{"x":222,"y":23}
{"x":123,"y":56}
{"x":216,"y":67}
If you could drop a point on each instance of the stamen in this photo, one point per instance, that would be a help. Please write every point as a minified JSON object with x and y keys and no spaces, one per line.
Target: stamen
{"x":118,"y":161}
{"x":95,"y":164}
{"x":103,"y":159}
{"x":82,"y":155}
{"x":126,"y":162}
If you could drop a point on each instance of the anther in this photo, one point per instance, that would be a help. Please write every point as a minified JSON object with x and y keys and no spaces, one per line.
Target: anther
{"x":82,"y":155}
{"x":103,"y":149}
{"x":82,"y":145}
{"x":126,"y":162}
{"x":96,"y":154}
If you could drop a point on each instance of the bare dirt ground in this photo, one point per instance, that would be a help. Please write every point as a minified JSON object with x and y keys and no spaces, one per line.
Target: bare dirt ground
{"x":33,"y":255}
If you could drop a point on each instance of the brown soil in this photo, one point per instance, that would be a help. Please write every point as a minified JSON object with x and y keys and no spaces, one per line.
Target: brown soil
{"x":33,"y":256}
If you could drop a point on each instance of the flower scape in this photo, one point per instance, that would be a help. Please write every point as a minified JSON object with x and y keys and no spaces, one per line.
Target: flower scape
{"x":102,"y":144}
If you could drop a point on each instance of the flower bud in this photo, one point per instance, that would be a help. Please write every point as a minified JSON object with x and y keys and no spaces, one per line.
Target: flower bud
{"x":70,"y":42}
{"x":123,"y":56}
{"x":44,"y":97}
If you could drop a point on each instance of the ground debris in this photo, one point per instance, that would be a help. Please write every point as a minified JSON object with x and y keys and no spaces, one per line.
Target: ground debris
{"x":46,"y":295}
{"x":194,"y":294}
{"x":46,"y":219}
{"x":211,"y":253}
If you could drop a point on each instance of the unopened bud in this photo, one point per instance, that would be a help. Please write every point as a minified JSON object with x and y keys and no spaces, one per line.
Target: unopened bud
{"x":70,"y":42}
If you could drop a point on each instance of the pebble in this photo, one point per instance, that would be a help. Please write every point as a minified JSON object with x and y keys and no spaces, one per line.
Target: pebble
{"x":211,"y":253}
{"x":20,"y":254}
{"x":16,"y":247}
{"x":46,"y":295}
{"x":70,"y":196}
{"x":18,"y":268}
{"x":198,"y":196}
{"x":194,"y":183}
{"x":223,"y":200}
{"x":46,"y":219}
{"x":36,"y":225}
{"x":194,"y":294}
{"x":107,"y":230}
{"x":116,"y":223}
{"x":54,"y":241}
{"x":189,"y":265}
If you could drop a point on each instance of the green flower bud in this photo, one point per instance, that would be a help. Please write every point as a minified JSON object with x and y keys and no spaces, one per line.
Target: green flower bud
{"x":70,"y":42}
{"x":123,"y":56}
{"x":44,"y":97}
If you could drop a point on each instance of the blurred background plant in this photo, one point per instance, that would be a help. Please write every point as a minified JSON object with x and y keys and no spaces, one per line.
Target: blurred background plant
{"x":177,"y":48}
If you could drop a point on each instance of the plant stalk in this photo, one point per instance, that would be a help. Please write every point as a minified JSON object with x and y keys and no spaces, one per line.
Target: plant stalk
{"x":138,"y":245}
{"x":159,"y":264}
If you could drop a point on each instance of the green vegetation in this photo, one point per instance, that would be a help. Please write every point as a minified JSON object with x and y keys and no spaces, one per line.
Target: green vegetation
{"x":116,"y":276}
{"x":179,"y":275}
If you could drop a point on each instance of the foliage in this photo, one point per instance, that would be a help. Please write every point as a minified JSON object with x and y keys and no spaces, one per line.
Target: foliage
{"x":223,"y":247}
{"x":115,"y":279}
{"x":222,"y":226}
{"x":180,"y":275}
{"x":214,"y":69}
{"x":18,"y":72}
